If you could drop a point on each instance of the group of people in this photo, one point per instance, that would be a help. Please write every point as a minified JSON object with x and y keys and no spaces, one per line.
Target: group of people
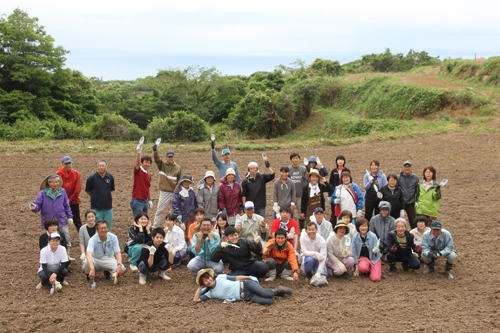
{"x":212,"y":224}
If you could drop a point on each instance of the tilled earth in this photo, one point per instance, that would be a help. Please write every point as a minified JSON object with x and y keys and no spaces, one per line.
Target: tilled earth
{"x":407,"y":302}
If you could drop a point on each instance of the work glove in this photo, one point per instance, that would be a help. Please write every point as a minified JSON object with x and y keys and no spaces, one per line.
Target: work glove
{"x":276,"y":208}
{"x":82,"y":257}
{"x":394,"y":249}
{"x":291,"y":233}
{"x":267,"y":163}
{"x":402,"y":213}
{"x":359,"y":214}
{"x":253,"y":278}
{"x":336,"y":201}
{"x":179,"y":218}
{"x":356,"y":271}
{"x":155,"y":146}
{"x":317,"y":276}
{"x":213,"y":144}
{"x":138,"y":149}
{"x":150,"y":202}
{"x":416,"y":204}
{"x":256,"y":237}
{"x":370,"y":179}
{"x":168,"y":247}
{"x":380,"y":195}
{"x":318,"y":256}
{"x":438,"y":187}
{"x":152,"y":250}
{"x":342,"y":267}
{"x":433,"y":255}
{"x":223,"y":245}
{"x":70,"y":221}
{"x":345,"y":252}
{"x":418,"y":249}
{"x":375,"y":250}
{"x":33,"y":206}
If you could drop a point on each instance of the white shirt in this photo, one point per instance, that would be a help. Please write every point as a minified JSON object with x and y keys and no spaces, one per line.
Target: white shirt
{"x":309,"y":246}
{"x":325,"y":229}
{"x":52,"y":259}
{"x":175,"y":237}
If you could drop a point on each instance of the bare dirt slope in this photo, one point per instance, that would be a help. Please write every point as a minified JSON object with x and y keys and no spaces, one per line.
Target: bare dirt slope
{"x":407,"y":302}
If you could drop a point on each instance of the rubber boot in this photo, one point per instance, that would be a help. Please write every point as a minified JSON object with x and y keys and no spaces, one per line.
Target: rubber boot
{"x":430,"y":267}
{"x":163,"y":275}
{"x":447,"y":269}
{"x":281,"y":291}
{"x":287,"y":274}
{"x":272,"y":275}
{"x":347,"y":276}
{"x":142,"y":279}
{"x":393,"y":269}
{"x":406,"y":268}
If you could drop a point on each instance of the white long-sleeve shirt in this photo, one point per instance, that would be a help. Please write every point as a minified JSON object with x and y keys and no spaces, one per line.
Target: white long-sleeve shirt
{"x":175,"y":237}
{"x":309,"y":246}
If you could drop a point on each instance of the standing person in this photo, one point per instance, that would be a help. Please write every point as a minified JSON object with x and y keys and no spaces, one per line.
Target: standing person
{"x":52,"y":201}
{"x":141,"y":194}
{"x":313,"y":249}
{"x":281,"y":258}
{"x":230,"y":201}
{"x":365,"y":251}
{"x":408,"y":182}
{"x":251,"y":223}
{"x":222,"y":166}
{"x":313,"y":164}
{"x":392,"y":194}
{"x":336,"y":177}
{"x":381,"y":224}
{"x":53,"y":263}
{"x":103,"y":254}
{"x":169,"y":176}
{"x":184,"y":202}
{"x":139,"y":234}
{"x":400,"y":243}
{"x":72,"y":184}
{"x":375,"y":178}
{"x":339,"y":249}
{"x":429,"y":194}
{"x":297,"y":174}
{"x":208,"y":195}
{"x":312,"y":194}
{"x":99,"y":187}
{"x":284,"y":191}
{"x":204,"y":244}
{"x":86,"y":232}
{"x":347,"y":196}
{"x":436,"y":243}
{"x":254,"y":187}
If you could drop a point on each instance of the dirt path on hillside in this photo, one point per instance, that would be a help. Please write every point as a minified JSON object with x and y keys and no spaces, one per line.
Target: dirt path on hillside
{"x":407,"y":302}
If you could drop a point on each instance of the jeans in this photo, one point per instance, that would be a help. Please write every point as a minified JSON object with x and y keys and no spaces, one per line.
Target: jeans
{"x":45,"y":279}
{"x":311,"y":265}
{"x":104,"y":214}
{"x":138,"y":206}
{"x":259,"y":269}
{"x":161,"y":266}
{"x":198,"y":263}
{"x":256,"y":293}
{"x":261,"y":211}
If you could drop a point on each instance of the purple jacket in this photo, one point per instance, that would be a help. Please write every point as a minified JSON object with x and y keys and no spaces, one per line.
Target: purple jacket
{"x":58,"y":208}
{"x":185,"y":206}
{"x":230,"y":199}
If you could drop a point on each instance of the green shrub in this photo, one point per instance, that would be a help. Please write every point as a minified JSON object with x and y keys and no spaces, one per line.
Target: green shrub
{"x":114,"y":127}
{"x":182,"y":126}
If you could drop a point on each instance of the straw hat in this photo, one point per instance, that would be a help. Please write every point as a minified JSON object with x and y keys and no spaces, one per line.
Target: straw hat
{"x":341,"y":223}
{"x":203,"y":271}
{"x":313,"y":172}
{"x":45,"y":182}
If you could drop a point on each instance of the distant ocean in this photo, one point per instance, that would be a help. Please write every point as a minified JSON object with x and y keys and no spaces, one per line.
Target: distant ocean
{"x":130,"y":67}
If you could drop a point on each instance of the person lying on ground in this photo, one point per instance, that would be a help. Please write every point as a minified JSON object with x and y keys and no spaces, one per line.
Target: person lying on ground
{"x":153,"y":257}
{"x":138,"y":233}
{"x":400,"y":243}
{"x":204,"y":244}
{"x":234,"y":288}
{"x":437,"y":243}
{"x":53,"y":263}
{"x":239,"y":254}
{"x":281,"y":257}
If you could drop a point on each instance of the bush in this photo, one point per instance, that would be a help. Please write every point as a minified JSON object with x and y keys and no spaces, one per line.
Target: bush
{"x":182,"y":126}
{"x":114,"y":127}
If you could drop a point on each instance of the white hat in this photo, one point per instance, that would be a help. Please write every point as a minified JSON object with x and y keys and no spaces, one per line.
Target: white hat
{"x":209,"y":173}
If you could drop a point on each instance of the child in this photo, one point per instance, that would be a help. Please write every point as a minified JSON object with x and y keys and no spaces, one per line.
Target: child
{"x":153,"y":259}
{"x":138,"y":233}
{"x":184,"y":202}
{"x":53,"y":263}
{"x":86,"y":232}
{"x":51,"y":225}
{"x":176,"y":244}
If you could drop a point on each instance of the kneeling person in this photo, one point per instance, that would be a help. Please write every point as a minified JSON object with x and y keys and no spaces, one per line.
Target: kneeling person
{"x":237,"y":252}
{"x":436,"y":243}
{"x":281,"y":257}
{"x":153,"y":258}
{"x":313,"y":248}
{"x":204,"y":244}
{"x":53,"y":263}
{"x":400,"y":243}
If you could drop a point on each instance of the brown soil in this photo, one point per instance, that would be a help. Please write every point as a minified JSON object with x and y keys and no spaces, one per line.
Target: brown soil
{"x":407,"y":302}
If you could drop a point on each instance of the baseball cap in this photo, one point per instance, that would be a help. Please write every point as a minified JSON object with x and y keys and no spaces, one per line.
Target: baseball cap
{"x":249,"y":204}
{"x":407,"y":162}
{"x":318,"y":210}
{"x":226,"y":151}
{"x":67,"y":159}
{"x":436,"y":225}
{"x":54,"y":235}
{"x":170,"y":154}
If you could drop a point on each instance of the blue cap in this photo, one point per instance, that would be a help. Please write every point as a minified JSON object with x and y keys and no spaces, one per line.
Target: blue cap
{"x":226,"y":151}
{"x":170,"y":154}
{"x":436,"y":225}
{"x":67,"y":159}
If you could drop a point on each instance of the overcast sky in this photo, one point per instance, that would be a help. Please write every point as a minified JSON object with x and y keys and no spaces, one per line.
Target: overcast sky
{"x":130,"y":39}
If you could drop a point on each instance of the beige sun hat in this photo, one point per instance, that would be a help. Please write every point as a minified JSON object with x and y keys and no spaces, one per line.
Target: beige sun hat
{"x":203,"y":271}
{"x":45,"y":182}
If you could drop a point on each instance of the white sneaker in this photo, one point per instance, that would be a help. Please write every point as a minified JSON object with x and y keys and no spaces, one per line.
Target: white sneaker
{"x":65,"y":283}
{"x":164,"y":276}
{"x":133,"y":268}
{"x":39,"y":286}
{"x":71,"y":259}
{"x":286,"y":277}
{"x":58,"y":285}
{"x":271,"y":278}
{"x":142,"y":279}
{"x":114,"y":276}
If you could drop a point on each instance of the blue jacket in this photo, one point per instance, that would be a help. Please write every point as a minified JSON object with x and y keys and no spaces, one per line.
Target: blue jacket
{"x":222,"y":167}
{"x":446,"y":243}
{"x":356,"y":189}
{"x":371,"y":241}
{"x":392,"y":240}
{"x":381,"y":180}
{"x":207,"y":246}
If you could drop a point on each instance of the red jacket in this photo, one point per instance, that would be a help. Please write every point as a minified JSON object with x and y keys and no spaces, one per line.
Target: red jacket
{"x":72,"y":184}
{"x":230,"y":199}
